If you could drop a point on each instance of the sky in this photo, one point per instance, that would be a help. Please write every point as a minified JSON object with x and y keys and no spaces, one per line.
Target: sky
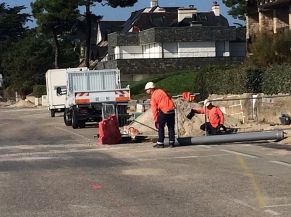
{"x":109,"y":13}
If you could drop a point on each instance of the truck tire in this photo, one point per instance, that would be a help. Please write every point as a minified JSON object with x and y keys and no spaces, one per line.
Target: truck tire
{"x":82,"y":124}
{"x":53,"y":113}
{"x":75,"y":123}
{"x":67,"y":118}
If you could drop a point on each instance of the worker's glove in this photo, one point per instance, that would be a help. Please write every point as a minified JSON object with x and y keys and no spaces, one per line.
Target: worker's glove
{"x":191,"y":114}
{"x":157,"y":125}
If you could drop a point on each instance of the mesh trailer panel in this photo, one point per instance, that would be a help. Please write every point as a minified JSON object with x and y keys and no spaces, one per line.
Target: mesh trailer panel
{"x":94,"y":80}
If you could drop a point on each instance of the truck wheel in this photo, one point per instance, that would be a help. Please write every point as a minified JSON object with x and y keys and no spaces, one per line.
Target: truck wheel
{"x":82,"y":124}
{"x":67,"y":118}
{"x":53,"y":113}
{"x":75,"y":123}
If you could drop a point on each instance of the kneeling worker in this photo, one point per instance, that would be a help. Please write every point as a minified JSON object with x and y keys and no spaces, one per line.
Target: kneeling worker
{"x":215,"y":118}
{"x":163,"y":110}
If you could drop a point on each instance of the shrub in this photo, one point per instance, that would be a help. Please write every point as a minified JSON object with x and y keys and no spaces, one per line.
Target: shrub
{"x":277,"y":79}
{"x":269,"y":49}
{"x":39,"y":90}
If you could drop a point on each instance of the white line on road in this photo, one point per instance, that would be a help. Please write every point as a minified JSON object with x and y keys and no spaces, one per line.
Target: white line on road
{"x":22,"y":110}
{"x":203,"y":146}
{"x":278,"y":205}
{"x":27,"y":159}
{"x":181,"y":157}
{"x":239,"y":153}
{"x":76,"y":134}
{"x":27,"y":147}
{"x":272,"y":212}
{"x":269,"y":211}
{"x":50,"y":152}
{"x":245,"y":204}
{"x":280,"y":163}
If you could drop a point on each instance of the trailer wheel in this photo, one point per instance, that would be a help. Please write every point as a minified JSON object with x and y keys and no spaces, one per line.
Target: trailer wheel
{"x":53,"y":113}
{"x":75,"y":123}
{"x":67,"y":118}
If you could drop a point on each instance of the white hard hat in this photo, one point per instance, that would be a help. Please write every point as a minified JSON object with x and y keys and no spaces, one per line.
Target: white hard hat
{"x":207,"y":102}
{"x":149,"y":85}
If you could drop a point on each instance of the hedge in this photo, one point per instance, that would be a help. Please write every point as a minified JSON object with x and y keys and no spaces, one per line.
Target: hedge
{"x":228,"y":79}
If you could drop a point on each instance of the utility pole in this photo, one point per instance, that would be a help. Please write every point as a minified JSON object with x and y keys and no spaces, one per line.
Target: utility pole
{"x":88,"y":35}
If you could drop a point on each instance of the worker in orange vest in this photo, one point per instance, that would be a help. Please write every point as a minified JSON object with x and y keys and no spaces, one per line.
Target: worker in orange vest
{"x":163,"y":110}
{"x":215,"y":121}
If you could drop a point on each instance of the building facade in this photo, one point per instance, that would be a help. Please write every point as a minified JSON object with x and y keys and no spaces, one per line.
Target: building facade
{"x":160,"y":40}
{"x":269,"y":16}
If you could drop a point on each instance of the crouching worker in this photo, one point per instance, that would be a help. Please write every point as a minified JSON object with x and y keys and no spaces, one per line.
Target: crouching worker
{"x":163,"y":110}
{"x":215,"y":123}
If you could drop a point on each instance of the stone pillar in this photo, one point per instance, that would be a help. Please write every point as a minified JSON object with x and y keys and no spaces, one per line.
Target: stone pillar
{"x":290,"y":17}
{"x":261,"y":21}
{"x":275,"y":21}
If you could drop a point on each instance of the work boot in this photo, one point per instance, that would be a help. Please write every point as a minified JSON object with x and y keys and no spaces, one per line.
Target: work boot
{"x":159,"y":145}
{"x":172,"y":145}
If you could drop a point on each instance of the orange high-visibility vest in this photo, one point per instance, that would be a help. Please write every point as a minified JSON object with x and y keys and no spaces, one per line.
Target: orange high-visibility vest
{"x":215,"y":115}
{"x":160,"y":100}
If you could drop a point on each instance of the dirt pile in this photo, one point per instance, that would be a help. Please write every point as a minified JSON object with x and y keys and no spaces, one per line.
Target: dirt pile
{"x":5,"y":104}
{"x":22,"y":104}
{"x":184,"y":127}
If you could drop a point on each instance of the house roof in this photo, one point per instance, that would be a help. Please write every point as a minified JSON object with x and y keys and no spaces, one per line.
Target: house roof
{"x":167,"y":17}
{"x":107,"y":27}
{"x":205,"y":19}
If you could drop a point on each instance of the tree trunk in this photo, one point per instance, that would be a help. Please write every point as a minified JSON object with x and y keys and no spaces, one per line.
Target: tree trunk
{"x":57,"y":50}
{"x":88,"y":38}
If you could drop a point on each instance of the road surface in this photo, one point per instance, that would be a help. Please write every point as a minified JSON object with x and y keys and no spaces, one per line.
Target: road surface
{"x":49,"y":170}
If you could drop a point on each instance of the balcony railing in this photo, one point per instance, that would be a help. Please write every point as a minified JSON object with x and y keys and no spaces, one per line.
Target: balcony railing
{"x":234,"y":52}
{"x":163,"y":55}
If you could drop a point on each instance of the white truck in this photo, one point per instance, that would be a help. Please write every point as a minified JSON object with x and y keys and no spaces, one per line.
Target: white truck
{"x":93,"y":95}
{"x":57,"y":79}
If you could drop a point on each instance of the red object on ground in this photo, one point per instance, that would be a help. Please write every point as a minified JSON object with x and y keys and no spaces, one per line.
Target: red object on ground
{"x":188,"y":96}
{"x":108,"y":131}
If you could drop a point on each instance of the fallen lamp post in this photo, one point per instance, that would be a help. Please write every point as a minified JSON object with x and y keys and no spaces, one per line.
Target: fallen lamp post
{"x":276,"y":135}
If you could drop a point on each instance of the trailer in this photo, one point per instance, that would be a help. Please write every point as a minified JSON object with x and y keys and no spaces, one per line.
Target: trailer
{"x":56,"y":79}
{"x":93,"y":95}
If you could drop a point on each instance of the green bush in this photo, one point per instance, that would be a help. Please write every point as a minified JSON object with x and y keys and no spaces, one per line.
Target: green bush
{"x":39,"y":90}
{"x":262,"y":50}
{"x":9,"y":92}
{"x":228,"y":79}
{"x":270,"y":49}
{"x":277,"y":79}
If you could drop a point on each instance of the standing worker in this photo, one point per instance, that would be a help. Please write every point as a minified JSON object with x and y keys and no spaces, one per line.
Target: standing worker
{"x":215,"y":116}
{"x":163,"y":110}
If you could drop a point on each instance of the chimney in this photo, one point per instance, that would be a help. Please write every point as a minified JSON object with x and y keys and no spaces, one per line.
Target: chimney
{"x":154,"y":3}
{"x":216,"y":8}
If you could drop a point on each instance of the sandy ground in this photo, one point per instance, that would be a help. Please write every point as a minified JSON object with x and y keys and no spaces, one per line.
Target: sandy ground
{"x":19,"y":104}
{"x":184,"y":127}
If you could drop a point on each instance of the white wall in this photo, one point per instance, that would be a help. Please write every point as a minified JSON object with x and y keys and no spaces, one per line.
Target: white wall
{"x":170,"y":50}
{"x":152,"y":50}
{"x":180,"y":49}
{"x":196,"y":49}
{"x":128,"y":52}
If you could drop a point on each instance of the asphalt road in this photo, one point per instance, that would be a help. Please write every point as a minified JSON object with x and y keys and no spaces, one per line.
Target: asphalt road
{"x":48,"y":169}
